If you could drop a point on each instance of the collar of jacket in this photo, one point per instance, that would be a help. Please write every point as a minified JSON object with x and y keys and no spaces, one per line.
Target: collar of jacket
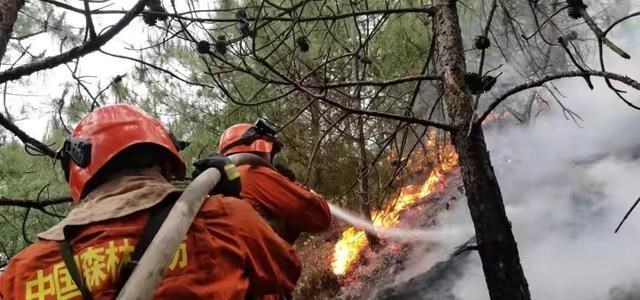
{"x":126,"y":193}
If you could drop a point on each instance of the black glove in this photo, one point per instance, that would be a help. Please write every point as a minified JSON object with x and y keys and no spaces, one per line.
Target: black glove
{"x":285,"y":171}
{"x":229,"y":184}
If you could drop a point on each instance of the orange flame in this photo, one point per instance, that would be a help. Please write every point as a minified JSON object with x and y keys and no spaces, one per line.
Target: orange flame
{"x":348,"y":248}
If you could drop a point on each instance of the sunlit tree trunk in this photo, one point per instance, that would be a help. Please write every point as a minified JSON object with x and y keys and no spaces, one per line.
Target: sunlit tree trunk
{"x":496,"y":244}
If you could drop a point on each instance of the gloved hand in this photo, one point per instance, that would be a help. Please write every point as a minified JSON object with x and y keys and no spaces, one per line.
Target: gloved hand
{"x":229,"y":184}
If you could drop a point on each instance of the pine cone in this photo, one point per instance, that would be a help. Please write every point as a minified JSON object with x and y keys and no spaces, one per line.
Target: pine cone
{"x":244,"y":28}
{"x":574,"y":8}
{"x":203,"y":47}
{"x":221,"y":45}
{"x":241,"y":14}
{"x":159,"y":9}
{"x":154,"y":6}
{"x":303,"y":43}
{"x":149,"y":19}
{"x":481,"y":42}
{"x":474,"y":83}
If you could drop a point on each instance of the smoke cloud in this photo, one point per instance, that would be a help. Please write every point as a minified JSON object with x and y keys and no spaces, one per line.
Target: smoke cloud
{"x":566,"y":187}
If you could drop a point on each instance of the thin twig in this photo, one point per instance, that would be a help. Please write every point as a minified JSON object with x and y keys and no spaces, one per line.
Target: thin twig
{"x":563,"y":43}
{"x":25,"y":138}
{"x":627,"y":215}
{"x":600,"y":35}
{"x":525,"y":86}
{"x":87,"y":14}
{"x":319,"y":142}
{"x":76,"y":52}
{"x":485,"y":34}
{"x":25,"y":203}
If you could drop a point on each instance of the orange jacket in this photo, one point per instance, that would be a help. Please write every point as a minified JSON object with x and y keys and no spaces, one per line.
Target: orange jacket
{"x":228,"y":250}
{"x":275,"y":196}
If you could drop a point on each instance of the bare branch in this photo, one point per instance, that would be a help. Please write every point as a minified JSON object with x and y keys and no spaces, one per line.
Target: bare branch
{"x":563,"y":43}
{"x":614,"y":24}
{"x":26,"y":203}
{"x":76,"y":52}
{"x":373,"y":113}
{"x":601,"y":36}
{"x":627,"y":215}
{"x":383,"y":83}
{"x":316,"y":147}
{"x":617,"y":77}
{"x":25,"y":138}
{"x":87,"y":14}
{"x":181,"y":15}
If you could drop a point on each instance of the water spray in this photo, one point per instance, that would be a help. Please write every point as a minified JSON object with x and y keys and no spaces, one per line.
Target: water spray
{"x":394,"y":234}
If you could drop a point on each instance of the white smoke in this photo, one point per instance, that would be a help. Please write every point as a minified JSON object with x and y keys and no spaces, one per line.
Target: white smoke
{"x":566,"y":188}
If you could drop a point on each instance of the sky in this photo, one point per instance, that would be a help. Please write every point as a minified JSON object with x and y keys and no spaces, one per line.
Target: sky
{"x":36,"y":94}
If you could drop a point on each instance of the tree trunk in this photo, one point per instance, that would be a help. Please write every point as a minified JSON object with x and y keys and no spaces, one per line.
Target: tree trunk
{"x":358,"y":73}
{"x":496,"y":244}
{"x":315,"y":135}
{"x":363,"y":183}
{"x":8,"y":15}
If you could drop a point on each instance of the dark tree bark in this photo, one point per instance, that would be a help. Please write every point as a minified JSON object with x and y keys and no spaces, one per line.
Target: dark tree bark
{"x":8,"y":15}
{"x":496,"y":244}
{"x":363,"y":183}
{"x":363,"y":160}
{"x":315,"y":177}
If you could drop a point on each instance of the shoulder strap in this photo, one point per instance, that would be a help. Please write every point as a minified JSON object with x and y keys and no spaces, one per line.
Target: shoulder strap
{"x":156,"y":217}
{"x":72,"y":268}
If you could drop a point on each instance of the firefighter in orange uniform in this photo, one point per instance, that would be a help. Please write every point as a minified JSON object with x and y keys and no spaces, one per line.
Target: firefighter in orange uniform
{"x":291,"y":208}
{"x":118,"y":161}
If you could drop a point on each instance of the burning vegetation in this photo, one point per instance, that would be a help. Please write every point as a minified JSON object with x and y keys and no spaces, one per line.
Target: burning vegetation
{"x":443,"y":158}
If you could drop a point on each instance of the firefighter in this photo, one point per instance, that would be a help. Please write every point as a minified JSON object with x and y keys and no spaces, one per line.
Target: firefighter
{"x":290,"y":207}
{"x":118,"y":162}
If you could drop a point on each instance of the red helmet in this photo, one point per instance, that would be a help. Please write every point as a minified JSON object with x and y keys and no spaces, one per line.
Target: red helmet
{"x":104,"y":133}
{"x":245,"y":137}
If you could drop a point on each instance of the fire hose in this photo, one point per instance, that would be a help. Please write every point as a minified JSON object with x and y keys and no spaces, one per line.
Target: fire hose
{"x":154,"y":263}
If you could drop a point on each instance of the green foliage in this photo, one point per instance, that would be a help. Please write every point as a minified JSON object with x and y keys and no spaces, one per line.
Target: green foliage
{"x":243,"y":96}
{"x":26,"y":177}
{"x":326,"y":148}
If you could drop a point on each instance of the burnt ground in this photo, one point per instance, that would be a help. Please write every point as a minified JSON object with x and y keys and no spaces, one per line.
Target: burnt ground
{"x":435,"y":284}
{"x":374,"y":275}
